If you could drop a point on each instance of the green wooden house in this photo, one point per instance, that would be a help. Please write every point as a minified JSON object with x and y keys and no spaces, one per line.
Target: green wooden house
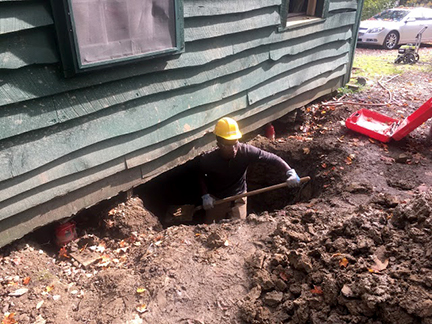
{"x":97,"y":97}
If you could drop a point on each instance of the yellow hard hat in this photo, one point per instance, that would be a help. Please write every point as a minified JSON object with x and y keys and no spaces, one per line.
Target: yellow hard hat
{"x":227,"y":128}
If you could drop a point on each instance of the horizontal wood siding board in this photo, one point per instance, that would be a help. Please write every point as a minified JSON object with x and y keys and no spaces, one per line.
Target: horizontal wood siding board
{"x":36,"y":196}
{"x":130,"y":117}
{"x":215,"y":26}
{"x":342,"y":5}
{"x":200,"y":8}
{"x":297,"y":77}
{"x":32,"y":198}
{"x":332,"y":22}
{"x":303,"y":44}
{"x":267,"y":115}
{"x":28,"y":47}
{"x":306,"y":87}
{"x":21,"y":86}
{"x":16,"y":16}
{"x":71,"y":105}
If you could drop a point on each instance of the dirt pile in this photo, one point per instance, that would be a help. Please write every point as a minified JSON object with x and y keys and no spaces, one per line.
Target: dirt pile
{"x":374,"y":266}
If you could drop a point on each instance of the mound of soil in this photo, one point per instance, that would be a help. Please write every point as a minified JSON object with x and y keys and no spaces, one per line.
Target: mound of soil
{"x":351,"y":246}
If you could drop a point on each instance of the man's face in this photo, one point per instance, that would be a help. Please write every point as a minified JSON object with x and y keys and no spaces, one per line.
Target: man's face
{"x":227,"y":148}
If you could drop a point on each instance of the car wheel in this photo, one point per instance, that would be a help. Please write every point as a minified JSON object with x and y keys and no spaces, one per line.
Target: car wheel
{"x":391,"y":40}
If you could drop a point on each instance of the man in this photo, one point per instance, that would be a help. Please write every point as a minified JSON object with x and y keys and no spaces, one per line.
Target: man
{"x":223,"y":171}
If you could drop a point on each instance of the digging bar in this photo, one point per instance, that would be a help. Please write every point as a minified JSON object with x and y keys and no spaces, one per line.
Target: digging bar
{"x":187,"y":211}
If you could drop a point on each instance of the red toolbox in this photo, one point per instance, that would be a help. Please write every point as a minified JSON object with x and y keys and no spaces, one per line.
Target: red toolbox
{"x":384,"y":128}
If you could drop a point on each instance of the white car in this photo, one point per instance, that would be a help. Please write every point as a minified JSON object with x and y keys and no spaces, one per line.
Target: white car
{"x":397,"y":26}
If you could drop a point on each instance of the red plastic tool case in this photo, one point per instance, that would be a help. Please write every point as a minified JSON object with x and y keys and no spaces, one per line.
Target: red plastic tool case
{"x":384,"y":128}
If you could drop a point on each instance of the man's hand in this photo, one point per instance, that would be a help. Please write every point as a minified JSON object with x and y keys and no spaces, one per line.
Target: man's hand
{"x":207,"y":201}
{"x":293,"y":179}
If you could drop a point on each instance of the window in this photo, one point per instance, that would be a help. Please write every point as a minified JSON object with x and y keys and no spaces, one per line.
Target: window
{"x":299,"y":12}
{"x":93,"y":34}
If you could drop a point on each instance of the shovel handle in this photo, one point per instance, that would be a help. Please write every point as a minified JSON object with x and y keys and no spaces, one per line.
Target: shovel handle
{"x":255,"y":192}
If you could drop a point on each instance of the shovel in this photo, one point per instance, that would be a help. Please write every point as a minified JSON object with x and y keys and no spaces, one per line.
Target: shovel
{"x":186,"y":212}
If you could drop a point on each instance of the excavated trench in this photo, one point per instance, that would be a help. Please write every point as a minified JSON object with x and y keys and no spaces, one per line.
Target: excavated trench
{"x":180,"y":186}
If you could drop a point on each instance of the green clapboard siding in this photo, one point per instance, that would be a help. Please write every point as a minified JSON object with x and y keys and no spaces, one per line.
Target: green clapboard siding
{"x":16,"y":16}
{"x":13,"y":228}
{"x":133,"y":116}
{"x":342,"y":5}
{"x":201,"y":8}
{"x":100,"y":154}
{"x":28,"y":47}
{"x":300,"y":45}
{"x":71,"y":105}
{"x":292,"y":80}
{"x":214,"y":26}
{"x":36,"y":196}
{"x":91,"y":99}
{"x":33,"y":82}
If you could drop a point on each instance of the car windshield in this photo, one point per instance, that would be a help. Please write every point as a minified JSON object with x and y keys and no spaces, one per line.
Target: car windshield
{"x":391,"y":15}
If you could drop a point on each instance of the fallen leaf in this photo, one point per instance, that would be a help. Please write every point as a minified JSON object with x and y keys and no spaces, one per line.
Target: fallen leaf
{"x":63,"y":253}
{"x":9,"y":319}
{"x":26,"y":281}
{"x":140,"y":290}
{"x":317,"y":290}
{"x":343,"y":262}
{"x":18,"y":292}
{"x":49,"y":288}
{"x":379,"y":265}
{"x":141,"y":308}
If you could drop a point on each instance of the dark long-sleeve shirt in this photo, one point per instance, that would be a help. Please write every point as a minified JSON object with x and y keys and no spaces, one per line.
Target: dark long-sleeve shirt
{"x":224,"y":177}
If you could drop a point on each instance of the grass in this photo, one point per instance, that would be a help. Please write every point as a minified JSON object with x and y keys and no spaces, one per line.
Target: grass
{"x":381,"y":63}
{"x":373,"y":64}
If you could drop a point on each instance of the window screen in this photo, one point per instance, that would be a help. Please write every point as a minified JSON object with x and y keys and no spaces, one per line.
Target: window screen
{"x":108,"y":31}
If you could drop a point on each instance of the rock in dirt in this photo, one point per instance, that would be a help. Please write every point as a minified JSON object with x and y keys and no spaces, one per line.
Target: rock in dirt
{"x":273,"y":298}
